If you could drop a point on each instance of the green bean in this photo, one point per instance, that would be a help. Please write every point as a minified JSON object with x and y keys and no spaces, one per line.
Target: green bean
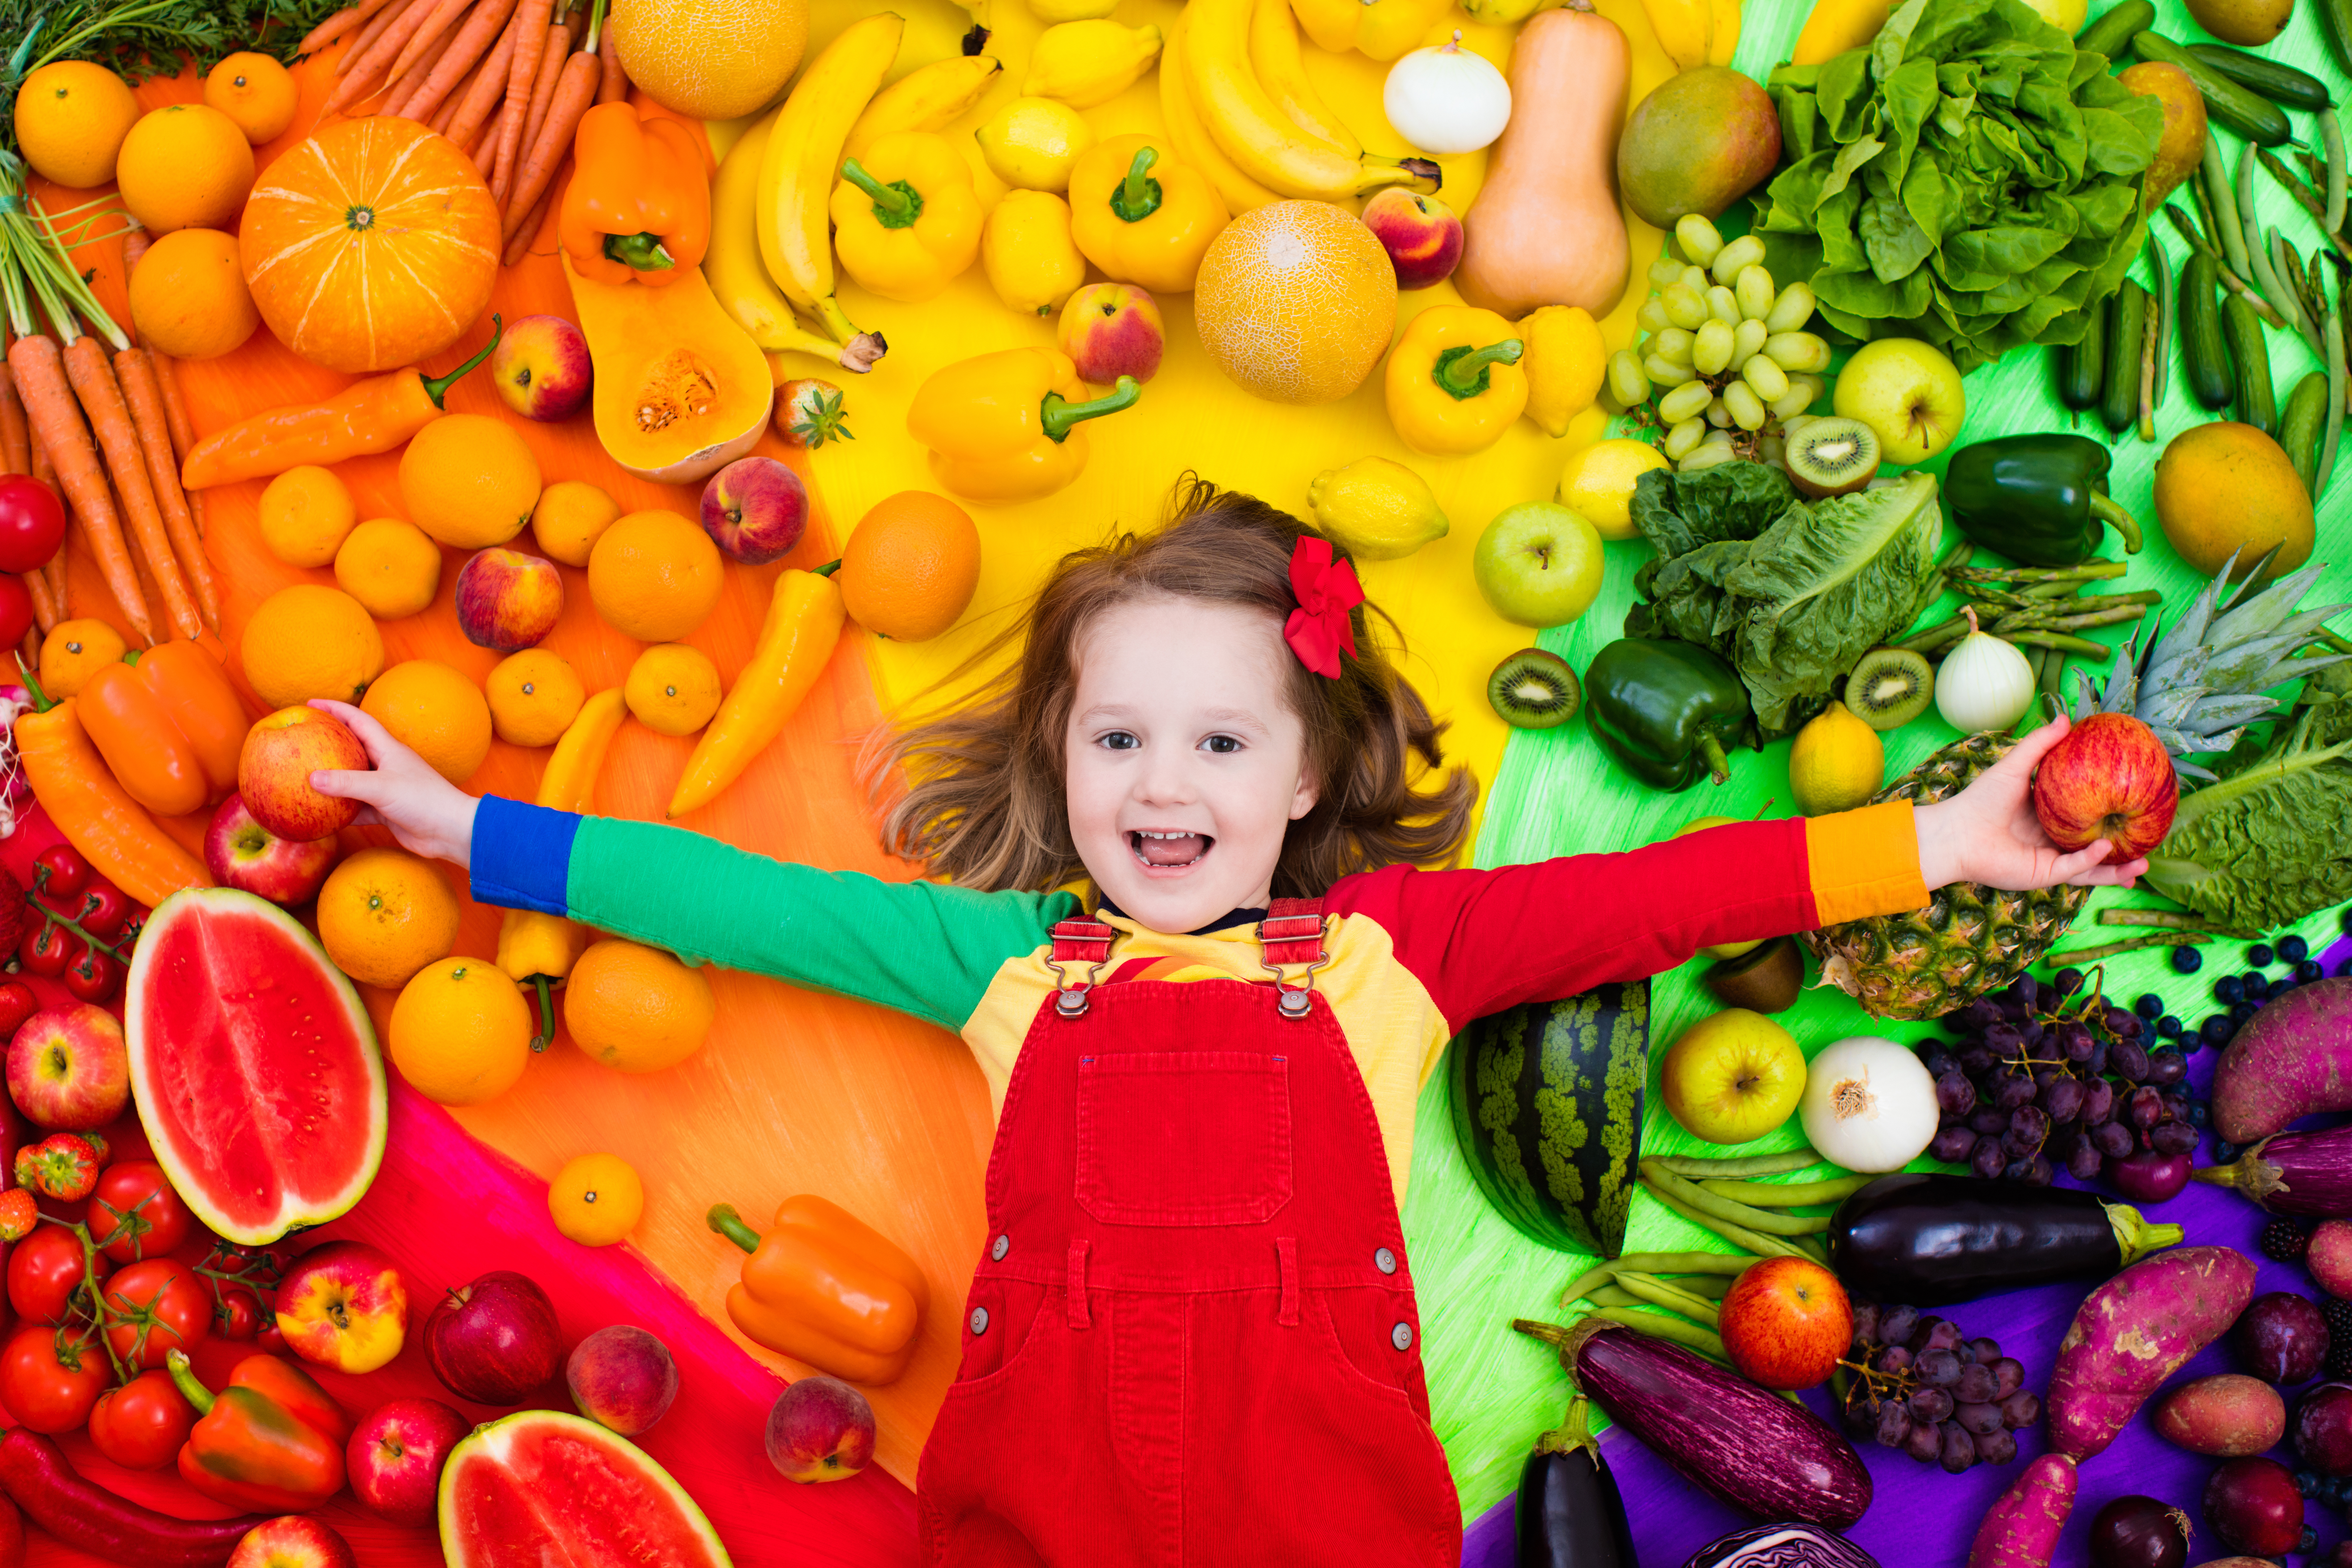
{"x":1788,"y":1195}
{"x":1739,"y":1236}
{"x":1760,"y":1165}
{"x":2152,"y":343}
{"x":1611,"y":1296}
{"x":2286,"y":271}
{"x":2335,"y":371}
{"x":2165,"y":308}
{"x":1707,"y":1287}
{"x":1727,"y":1263}
{"x":2265,"y":281}
{"x":1762,"y":1220}
{"x":1665,"y":1326}
{"x":2331,"y":137}
{"x":2229,"y":232}
{"x":1735,"y":1226}
{"x":1658,"y":1293}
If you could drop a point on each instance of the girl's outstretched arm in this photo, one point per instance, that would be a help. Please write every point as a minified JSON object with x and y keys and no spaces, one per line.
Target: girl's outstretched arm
{"x":429,"y":815}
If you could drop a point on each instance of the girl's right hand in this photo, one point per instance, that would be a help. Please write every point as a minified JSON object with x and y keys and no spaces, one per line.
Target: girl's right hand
{"x":429,"y":815}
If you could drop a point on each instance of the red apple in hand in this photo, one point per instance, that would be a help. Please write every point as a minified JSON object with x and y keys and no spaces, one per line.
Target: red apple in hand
{"x":1785,"y":1322}
{"x":242,"y":853}
{"x":2110,"y":779}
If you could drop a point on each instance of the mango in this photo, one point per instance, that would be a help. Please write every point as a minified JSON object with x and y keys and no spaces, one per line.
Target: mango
{"x":1702,"y":139}
{"x":2182,"y":147}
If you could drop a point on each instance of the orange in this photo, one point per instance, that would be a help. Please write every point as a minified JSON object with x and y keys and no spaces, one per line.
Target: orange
{"x":185,"y":166}
{"x":188,"y":297}
{"x":306,"y":512}
{"x":385,"y":914}
{"x":435,"y":712}
{"x":534,"y":696}
{"x":634,"y":1008}
{"x":654,"y":576}
{"x":308,"y":642}
{"x":910,"y":569}
{"x":73,"y":651}
{"x":256,"y":92}
{"x":571,"y":515}
{"x":673,"y":689}
{"x":596,"y":1199}
{"x":460,"y":1032}
{"x":389,"y":566}
{"x":72,"y":117}
{"x":1296,"y":302}
{"x":469,"y":481}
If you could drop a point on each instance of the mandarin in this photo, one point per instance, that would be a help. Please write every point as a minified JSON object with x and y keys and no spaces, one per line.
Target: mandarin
{"x":435,"y":712}
{"x":673,"y":689}
{"x":256,"y":92}
{"x":910,"y":570}
{"x":534,"y":696}
{"x":385,"y":914}
{"x":460,"y":1032}
{"x":391,"y":567}
{"x":637,"y":1009}
{"x":73,"y":651}
{"x":654,"y":576}
{"x":596,"y":1199}
{"x":571,"y":515}
{"x":310,"y":641}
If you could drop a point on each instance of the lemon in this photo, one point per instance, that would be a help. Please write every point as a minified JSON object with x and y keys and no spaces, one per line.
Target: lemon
{"x":1375,"y":509}
{"x":1599,"y":482}
{"x":1031,"y":143}
{"x":1837,"y":763}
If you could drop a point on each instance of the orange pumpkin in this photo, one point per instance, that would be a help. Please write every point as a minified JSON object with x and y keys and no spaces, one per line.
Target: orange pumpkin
{"x":371,"y":245}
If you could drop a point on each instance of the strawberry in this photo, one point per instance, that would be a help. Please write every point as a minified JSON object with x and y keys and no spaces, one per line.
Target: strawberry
{"x":23,"y":1171}
{"x":65,"y":1166}
{"x":17,"y":1215}
{"x":99,"y":1149}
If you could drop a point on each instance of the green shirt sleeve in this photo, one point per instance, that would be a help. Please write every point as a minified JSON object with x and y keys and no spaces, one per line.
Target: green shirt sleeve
{"x":919,"y":947}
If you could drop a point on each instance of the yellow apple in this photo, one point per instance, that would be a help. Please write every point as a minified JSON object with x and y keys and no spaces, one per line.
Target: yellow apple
{"x":1733,"y":1077}
{"x":1721,"y":949}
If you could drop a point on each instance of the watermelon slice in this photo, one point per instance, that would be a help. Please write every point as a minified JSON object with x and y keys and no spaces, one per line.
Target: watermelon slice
{"x":253,"y":1066}
{"x":543,"y":1486}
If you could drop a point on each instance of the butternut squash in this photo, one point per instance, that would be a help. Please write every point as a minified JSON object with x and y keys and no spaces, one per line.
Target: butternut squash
{"x":1545,"y":228}
{"x":681,"y":390}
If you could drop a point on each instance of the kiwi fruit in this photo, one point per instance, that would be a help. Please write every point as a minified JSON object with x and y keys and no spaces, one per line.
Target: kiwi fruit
{"x":1833,"y":456}
{"x":1535,"y":690}
{"x":1763,"y":979}
{"x":1890,"y":687}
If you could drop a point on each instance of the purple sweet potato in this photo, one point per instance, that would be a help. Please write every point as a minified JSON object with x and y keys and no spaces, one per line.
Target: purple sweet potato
{"x":2291,"y":1059}
{"x":2133,"y":1333}
{"x":2021,"y":1529}
{"x":2228,"y":1415}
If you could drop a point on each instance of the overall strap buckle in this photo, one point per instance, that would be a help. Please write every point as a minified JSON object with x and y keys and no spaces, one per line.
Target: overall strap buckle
{"x":1294,"y":932}
{"x":1077,"y":942}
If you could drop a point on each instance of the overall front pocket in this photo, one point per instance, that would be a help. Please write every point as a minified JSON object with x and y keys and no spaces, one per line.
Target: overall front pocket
{"x":1183,"y":1137}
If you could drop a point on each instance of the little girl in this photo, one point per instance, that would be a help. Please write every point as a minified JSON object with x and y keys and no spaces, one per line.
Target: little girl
{"x":1191,"y":1337}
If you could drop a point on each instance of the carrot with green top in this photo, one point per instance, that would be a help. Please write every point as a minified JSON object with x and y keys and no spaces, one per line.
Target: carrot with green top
{"x":143,"y":392}
{"x":118,"y":438}
{"x":366,"y":70}
{"x":532,"y":30}
{"x":478,"y":35}
{"x":553,"y":59}
{"x":490,"y":87}
{"x":375,"y":29}
{"x":57,"y":423}
{"x":576,"y":95}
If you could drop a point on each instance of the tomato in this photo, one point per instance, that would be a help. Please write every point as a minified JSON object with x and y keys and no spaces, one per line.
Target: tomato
{"x":103,"y":911}
{"x":93,"y":975}
{"x":161,"y":1305}
{"x":46,"y":950}
{"x":15,"y":607}
{"x":59,"y":874}
{"x":134,"y":1213}
{"x":43,"y":1270}
{"x":32,"y":524}
{"x":238,"y":1315}
{"x":141,"y":1424}
{"x":49,"y":1386}
{"x":17,"y":1003}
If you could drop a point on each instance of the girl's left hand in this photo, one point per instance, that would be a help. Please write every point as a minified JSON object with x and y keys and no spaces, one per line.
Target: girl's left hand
{"x":1987,"y":832}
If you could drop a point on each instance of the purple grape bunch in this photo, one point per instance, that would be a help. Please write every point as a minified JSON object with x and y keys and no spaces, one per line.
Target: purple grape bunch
{"x":1917,"y":1382}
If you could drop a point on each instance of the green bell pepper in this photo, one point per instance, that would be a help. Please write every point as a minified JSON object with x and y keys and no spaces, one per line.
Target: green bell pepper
{"x":2037,"y":499}
{"x":1665,"y":710}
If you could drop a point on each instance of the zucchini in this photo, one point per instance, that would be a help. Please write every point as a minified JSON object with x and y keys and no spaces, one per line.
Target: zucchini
{"x":2083,"y":367}
{"x":2200,"y":334}
{"x":2118,"y":25}
{"x":1546,"y":1100}
{"x":2250,"y":359}
{"x":2279,"y":83}
{"x":2249,"y":114}
{"x":2306,"y":412}
{"x":2127,"y":322}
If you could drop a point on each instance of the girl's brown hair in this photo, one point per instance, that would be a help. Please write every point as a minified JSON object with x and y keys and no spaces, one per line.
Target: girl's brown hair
{"x":985,"y":806}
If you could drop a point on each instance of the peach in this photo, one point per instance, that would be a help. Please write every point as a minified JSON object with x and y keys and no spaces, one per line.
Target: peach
{"x":621,"y":1378}
{"x":1112,"y":329}
{"x":294,"y":1541}
{"x":273,"y":772}
{"x":243,"y":854}
{"x":68,"y":1067}
{"x":541,"y":369}
{"x":1421,"y":234}
{"x":343,"y":1305}
{"x":396,"y":1456}
{"x":507,"y":600}
{"x":820,"y":1429}
{"x":755,"y":509}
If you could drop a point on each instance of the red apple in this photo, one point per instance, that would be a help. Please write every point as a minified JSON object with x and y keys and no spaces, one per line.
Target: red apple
{"x":508,"y":600}
{"x":2110,"y":779}
{"x":1421,"y":234}
{"x":242,"y":853}
{"x":1112,"y":329}
{"x":68,"y":1069}
{"x":755,"y":509}
{"x":1785,"y":1322}
{"x":621,"y":1378}
{"x":541,"y":367}
{"x":820,"y":1429}
{"x":343,"y":1305}
{"x":495,"y":1340}
{"x":273,"y":773}
{"x":296,"y":1541}
{"x":396,"y":1456}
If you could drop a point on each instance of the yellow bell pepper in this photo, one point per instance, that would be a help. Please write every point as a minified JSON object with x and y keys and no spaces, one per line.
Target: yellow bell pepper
{"x":1032,"y":261}
{"x":1142,"y":217}
{"x":1007,"y":427}
{"x":1453,"y":380}
{"x":1378,"y":30}
{"x":796,"y":640}
{"x":535,"y":948}
{"x":1564,"y":363}
{"x":905,"y":219}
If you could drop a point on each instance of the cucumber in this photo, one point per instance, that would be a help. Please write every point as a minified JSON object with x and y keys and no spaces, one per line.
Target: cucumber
{"x":2126,"y":320}
{"x":2200,"y":334}
{"x":2118,"y":25}
{"x":2306,"y":412}
{"x":2083,"y":367}
{"x":2249,"y":358}
{"x":2280,"y":83}
{"x":2256,"y":117}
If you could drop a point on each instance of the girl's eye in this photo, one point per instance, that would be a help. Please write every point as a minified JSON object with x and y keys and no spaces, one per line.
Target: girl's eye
{"x":1119,"y":740}
{"x":1222,"y":744}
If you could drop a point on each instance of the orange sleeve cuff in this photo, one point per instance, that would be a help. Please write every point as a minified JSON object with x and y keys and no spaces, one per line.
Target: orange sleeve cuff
{"x":1865,"y":862}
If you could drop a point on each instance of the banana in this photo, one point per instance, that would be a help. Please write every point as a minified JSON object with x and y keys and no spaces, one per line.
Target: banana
{"x":1725,"y":41}
{"x":930,"y":99}
{"x":1087,"y":63}
{"x":976,"y":38}
{"x":1051,"y":11}
{"x":739,"y":278}
{"x":1192,"y":139}
{"x":796,"y":173}
{"x":1254,"y":132}
{"x":1685,"y":30}
{"x":1502,"y":13}
{"x":1275,"y":55}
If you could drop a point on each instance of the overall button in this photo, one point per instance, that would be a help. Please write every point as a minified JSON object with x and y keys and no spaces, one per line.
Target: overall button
{"x":1384,"y":1260}
{"x":1399,"y":1336}
{"x":1004,"y":1244}
{"x":980,"y":1324}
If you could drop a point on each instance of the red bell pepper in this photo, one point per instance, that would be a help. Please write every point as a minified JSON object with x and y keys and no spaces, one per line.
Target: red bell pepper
{"x":273,"y":1439}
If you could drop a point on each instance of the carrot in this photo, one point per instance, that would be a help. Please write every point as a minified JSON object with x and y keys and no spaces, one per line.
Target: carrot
{"x":531,"y":32}
{"x":175,"y":407}
{"x":334,"y":26}
{"x":44,"y":607}
{"x":485,"y":151}
{"x":15,"y":440}
{"x":613,"y":85}
{"x":465,"y":50}
{"x":375,"y":29}
{"x":142,"y":391}
{"x":438,"y":19}
{"x":520,"y":245}
{"x":487,"y":90}
{"x":404,"y":88}
{"x":135,"y":245}
{"x":57,"y":423}
{"x":576,"y":95}
{"x":374,"y":66}
{"x":439,"y":123}
{"x":542,"y":93}
{"x":126,"y":462}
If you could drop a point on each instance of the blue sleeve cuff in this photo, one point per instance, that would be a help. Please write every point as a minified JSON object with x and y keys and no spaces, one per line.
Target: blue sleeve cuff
{"x":522,"y":855}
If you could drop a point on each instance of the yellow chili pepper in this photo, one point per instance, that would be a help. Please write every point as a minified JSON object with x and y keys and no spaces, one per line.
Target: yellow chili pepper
{"x":1032,"y":262}
{"x":904,"y":218}
{"x":537,"y":949}
{"x":1005,"y":427}
{"x":1142,"y":217}
{"x":797,"y":639}
{"x":639,"y":207}
{"x":1453,"y":381}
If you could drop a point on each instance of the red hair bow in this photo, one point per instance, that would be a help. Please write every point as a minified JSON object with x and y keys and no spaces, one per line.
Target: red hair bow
{"x":1319,"y":629}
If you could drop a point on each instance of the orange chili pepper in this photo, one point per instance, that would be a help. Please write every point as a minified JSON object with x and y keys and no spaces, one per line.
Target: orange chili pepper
{"x":169,"y":725}
{"x":826,"y":1288}
{"x":112,"y":831}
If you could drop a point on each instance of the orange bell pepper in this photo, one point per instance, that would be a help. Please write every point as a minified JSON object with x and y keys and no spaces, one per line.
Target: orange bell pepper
{"x":272,"y":1440}
{"x":639,"y":207}
{"x":825,"y":1287}
{"x":112,"y":831}
{"x":169,"y":725}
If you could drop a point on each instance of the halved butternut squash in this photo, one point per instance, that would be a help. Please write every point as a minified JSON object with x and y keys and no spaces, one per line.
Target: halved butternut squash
{"x":681,"y":390}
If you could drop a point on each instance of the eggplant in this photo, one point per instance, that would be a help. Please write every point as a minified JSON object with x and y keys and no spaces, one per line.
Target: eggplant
{"x":1927,"y":1240}
{"x":1755,"y":1450}
{"x":2292,"y":1173}
{"x":1569,"y":1514}
{"x":1782,"y":1546}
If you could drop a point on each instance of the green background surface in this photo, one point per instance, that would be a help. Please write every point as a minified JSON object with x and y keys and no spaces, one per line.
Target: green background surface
{"x":1493,"y":1391}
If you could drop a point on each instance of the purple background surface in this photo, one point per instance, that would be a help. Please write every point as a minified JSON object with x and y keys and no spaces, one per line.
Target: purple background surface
{"x":1920,"y":1517}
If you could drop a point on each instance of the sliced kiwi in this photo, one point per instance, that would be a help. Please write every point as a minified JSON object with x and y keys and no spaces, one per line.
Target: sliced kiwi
{"x":1890,"y":687}
{"x":1763,"y":979}
{"x":1535,"y":690}
{"x":1834,"y":456}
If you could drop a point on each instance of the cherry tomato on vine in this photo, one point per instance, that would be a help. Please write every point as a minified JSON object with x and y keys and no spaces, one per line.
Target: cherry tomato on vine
{"x":93,"y":975}
{"x":141,"y":1424}
{"x":134,"y":1213}
{"x":43,"y":1270}
{"x":59,"y":874}
{"x":17,"y":1003}
{"x":46,"y":950}
{"x":160,"y":1305}
{"x":103,"y":909}
{"x":32,"y":523}
{"x":50,"y":1380}
{"x":238,"y":1315}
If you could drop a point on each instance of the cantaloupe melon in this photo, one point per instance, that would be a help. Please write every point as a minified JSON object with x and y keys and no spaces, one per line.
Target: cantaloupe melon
{"x":710,"y":59}
{"x":1296,"y":301}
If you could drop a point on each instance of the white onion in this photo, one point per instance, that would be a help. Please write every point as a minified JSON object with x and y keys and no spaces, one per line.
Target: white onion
{"x":1869,"y":1105}
{"x":1984,"y":684}
{"x":1447,"y":100}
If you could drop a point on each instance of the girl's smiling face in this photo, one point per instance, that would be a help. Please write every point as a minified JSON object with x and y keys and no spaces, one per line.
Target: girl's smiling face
{"x":1185,"y":764}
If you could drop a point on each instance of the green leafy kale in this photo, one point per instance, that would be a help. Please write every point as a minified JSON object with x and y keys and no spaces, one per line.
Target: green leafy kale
{"x":1969,"y":177}
{"x":2269,"y":844}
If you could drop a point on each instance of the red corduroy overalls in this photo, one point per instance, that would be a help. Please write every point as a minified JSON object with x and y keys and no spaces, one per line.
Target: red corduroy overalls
{"x":1191,"y":1340}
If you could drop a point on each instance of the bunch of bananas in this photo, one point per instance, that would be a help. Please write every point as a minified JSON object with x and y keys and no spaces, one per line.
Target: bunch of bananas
{"x":1692,"y":32}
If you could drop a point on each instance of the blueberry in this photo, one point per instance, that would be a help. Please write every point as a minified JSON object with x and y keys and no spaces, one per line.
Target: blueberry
{"x":2224,"y":1151}
{"x":2306,"y":1482}
{"x":2254,"y":983}
{"x":2228,"y":989}
{"x":2188,"y":960}
{"x":2292,"y":949}
{"x":2260,"y":955}
{"x":2168,"y":1028}
{"x":2307,"y":971}
{"x":2242,"y":1012}
{"x":2310,"y":1539}
{"x":2198,"y":1113}
{"x":2149,"y":1006}
{"x":2215,"y":1030}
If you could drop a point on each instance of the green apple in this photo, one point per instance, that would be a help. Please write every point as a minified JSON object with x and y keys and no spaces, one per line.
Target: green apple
{"x":1909,"y":392}
{"x":1538,"y":564}
{"x":1721,"y":949}
{"x":1733,"y":1077}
